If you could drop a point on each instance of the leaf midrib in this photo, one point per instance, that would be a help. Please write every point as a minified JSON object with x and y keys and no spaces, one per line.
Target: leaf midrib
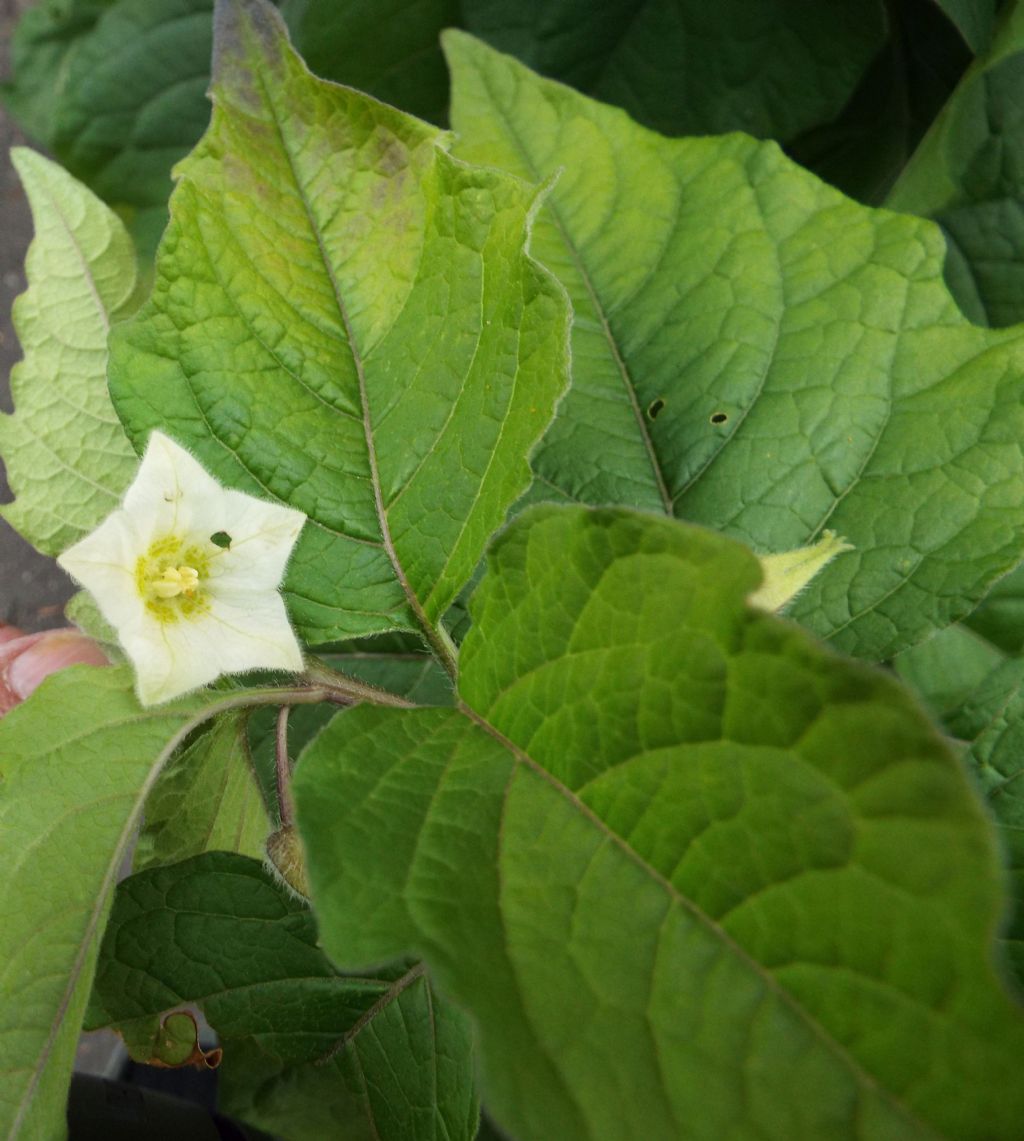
{"x":387,"y":542}
{"x":618,"y":359}
{"x":864,"y":1078}
{"x":87,"y":940}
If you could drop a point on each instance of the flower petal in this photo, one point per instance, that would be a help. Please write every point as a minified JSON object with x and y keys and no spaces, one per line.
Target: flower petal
{"x":169,"y":490}
{"x":104,"y":563}
{"x":262,"y":537}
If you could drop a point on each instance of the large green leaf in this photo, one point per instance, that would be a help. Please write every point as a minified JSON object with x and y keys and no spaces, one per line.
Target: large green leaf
{"x":307,"y":1053}
{"x":388,"y":48}
{"x":76,"y":763}
{"x":134,"y":103}
{"x":67,"y":457}
{"x":945,"y":669}
{"x":694,"y":875}
{"x":968,"y":174}
{"x":344,"y":318}
{"x":755,"y":352}
{"x":770,"y":68}
{"x":1000,"y":618}
{"x":864,"y":149}
{"x":44,"y":42}
{"x":207,"y":799}
{"x":992,"y":720}
{"x":974,"y":19}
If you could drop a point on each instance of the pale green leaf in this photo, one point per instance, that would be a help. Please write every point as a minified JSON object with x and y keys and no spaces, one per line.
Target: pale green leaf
{"x":67,"y":457}
{"x":308,"y":1053}
{"x":344,"y":318}
{"x":968,"y":174}
{"x":755,"y":352}
{"x":694,"y":875}
{"x":77,"y":761}
{"x":207,"y":799}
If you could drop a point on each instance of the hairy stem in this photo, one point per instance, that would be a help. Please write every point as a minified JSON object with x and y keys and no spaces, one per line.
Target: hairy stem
{"x":283,"y":768}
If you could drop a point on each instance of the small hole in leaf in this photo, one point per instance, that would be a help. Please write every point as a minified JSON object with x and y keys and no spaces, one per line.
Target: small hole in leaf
{"x":655,"y":407}
{"x":221,"y":539}
{"x":719,"y":417}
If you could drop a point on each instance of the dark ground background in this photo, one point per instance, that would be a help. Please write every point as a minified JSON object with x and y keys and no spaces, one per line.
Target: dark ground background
{"x":33,"y":589}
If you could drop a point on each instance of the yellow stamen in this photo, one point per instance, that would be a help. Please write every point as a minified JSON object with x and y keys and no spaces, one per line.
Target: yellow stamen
{"x":175,"y":581}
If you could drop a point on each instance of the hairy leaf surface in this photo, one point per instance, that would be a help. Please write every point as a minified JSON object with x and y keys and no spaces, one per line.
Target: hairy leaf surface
{"x":67,"y":457}
{"x":344,"y":318}
{"x":693,"y":875}
{"x":307,"y":1053}
{"x":755,"y":352}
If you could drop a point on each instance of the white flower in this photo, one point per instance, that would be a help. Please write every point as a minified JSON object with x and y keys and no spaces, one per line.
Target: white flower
{"x":187,"y":573}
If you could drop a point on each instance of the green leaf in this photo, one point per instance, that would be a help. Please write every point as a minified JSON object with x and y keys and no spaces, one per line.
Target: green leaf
{"x":968,"y":174}
{"x":682,"y":864}
{"x":45,"y":40}
{"x":77,"y":761}
{"x":755,"y":352}
{"x":207,"y":799}
{"x":82,"y":611}
{"x":67,"y":457}
{"x":772,"y":69}
{"x":975,"y":20}
{"x":945,"y":669}
{"x":307,"y":1052}
{"x":304,"y":722}
{"x":134,"y":103}
{"x":385,"y":354}
{"x":992,"y":719}
{"x":388,"y":48}
{"x":863,"y":150}
{"x":1000,"y":617}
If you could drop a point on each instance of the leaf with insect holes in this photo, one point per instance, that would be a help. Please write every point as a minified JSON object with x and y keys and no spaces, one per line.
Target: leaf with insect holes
{"x":681,"y":863}
{"x":755,"y":352}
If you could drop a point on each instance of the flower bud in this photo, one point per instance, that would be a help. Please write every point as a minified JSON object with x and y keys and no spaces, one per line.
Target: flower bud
{"x":287,"y":860}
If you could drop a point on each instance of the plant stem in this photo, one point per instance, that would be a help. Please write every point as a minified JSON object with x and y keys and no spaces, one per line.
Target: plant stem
{"x":445,"y":649}
{"x":283,"y":768}
{"x":345,"y":690}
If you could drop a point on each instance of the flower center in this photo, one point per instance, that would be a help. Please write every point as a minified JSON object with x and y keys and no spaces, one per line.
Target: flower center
{"x":170,"y":578}
{"x":175,"y":581}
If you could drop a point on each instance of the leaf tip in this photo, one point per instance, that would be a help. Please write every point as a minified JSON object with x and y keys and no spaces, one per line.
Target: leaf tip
{"x":236,"y":24}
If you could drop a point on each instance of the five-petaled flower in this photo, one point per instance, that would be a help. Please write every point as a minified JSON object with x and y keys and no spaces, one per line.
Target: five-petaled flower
{"x":187,"y":572}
